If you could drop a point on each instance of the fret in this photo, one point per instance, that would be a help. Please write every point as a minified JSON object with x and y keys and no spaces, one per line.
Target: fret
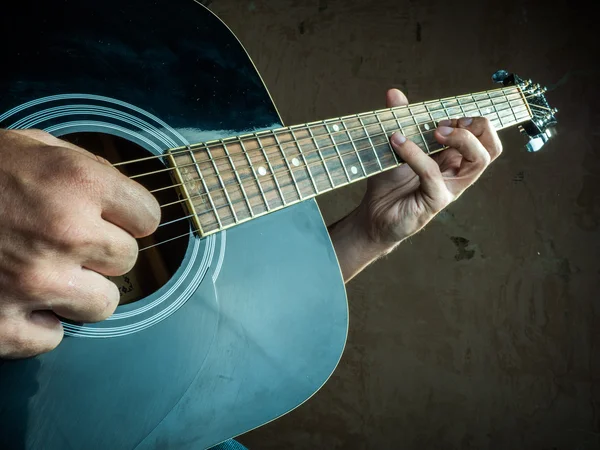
{"x":510,"y":107}
{"x":496,"y":110}
{"x":206,"y":190}
{"x":238,"y":179}
{"x":364,"y":147}
{"x":371,"y":142}
{"x":273,"y":173}
{"x":353,"y":169}
{"x":388,"y":157}
{"x":229,"y":181}
{"x":399,"y":126}
{"x":222,"y":183}
{"x":258,"y":183}
{"x":451,"y":104}
{"x":299,"y":171}
{"x":287,"y":163}
{"x":303,"y":156}
{"x":437,"y":111}
{"x":434,"y":145}
{"x":418,"y":126}
{"x":337,"y":150}
{"x":314,"y":163}
{"x":331,"y":154}
{"x":448,"y":115}
{"x":318,"y":150}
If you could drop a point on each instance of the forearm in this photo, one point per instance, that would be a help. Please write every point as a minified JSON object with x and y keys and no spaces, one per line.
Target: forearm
{"x":354,"y":247}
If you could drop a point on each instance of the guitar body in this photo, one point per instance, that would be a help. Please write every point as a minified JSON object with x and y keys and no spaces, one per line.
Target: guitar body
{"x":246,"y":324}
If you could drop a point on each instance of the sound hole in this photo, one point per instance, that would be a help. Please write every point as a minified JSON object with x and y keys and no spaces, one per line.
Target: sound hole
{"x":156,"y":265}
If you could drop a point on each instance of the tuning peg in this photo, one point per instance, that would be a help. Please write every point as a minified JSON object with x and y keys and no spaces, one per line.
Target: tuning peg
{"x":554,"y":110}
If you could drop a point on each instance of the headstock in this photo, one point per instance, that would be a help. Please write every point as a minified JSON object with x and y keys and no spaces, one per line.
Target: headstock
{"x":538,"y":129}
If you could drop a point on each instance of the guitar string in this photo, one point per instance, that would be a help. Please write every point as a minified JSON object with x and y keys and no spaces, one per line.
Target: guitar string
{"x":194,"y":232}
{"x":229,"y":216}
{"x":318,"y":163}
{"x":506,"y":106}
{"x":302,"y":127}
{"x":346,"y":130}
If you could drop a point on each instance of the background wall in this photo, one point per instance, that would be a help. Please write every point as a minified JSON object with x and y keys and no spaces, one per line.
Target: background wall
{"x":481,"y":331}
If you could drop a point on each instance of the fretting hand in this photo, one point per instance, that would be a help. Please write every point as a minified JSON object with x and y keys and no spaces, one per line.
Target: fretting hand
{"x":400,"y":202}
{"x":66,"y":219}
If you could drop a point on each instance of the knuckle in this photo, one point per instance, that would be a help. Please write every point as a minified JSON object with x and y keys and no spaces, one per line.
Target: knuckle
{"x":65,"y":233}
{"x":32,"y":282}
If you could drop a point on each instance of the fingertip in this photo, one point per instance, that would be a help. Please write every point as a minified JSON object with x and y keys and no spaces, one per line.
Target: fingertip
{"x":395,"y":97}
{"x":443,"y":131}
{"x":398,"y":139}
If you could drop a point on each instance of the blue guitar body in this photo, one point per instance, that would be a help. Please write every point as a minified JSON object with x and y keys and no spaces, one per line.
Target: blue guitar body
{"x":248,"y":323}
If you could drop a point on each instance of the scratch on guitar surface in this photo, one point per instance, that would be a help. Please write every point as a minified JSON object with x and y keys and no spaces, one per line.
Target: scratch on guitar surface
{"x":193,"y":184}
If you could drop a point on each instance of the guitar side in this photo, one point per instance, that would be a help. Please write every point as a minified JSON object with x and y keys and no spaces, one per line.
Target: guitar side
{"x":252,"y":322}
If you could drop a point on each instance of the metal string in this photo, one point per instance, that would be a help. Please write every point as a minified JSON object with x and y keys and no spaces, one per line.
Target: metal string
{"x":416,"y":105}
{"x":319,"y":162}
{"x":254,"y":195}
{"x":317,"y":149}
{"x":322,"y":160}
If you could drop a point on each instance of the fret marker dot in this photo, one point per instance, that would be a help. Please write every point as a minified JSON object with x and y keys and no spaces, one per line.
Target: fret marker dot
{"x":426,"y":126}
{"x":354,"y":170}
{"x":262,"y":171}
{"x":295,"y":162}
{"x":336,"y":128}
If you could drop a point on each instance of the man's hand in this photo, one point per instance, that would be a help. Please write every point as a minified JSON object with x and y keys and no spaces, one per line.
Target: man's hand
{"x":67,"y":218}
{"x":401,"y":201}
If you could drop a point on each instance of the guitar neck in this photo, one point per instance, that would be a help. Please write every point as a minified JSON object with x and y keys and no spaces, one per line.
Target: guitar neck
{"x":230,"y":181}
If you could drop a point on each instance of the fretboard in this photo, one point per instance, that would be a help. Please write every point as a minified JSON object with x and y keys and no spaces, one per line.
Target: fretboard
{"x":233,"y":180}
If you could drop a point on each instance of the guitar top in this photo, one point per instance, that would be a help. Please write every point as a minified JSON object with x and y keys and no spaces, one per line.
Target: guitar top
{"x":216,"y":335}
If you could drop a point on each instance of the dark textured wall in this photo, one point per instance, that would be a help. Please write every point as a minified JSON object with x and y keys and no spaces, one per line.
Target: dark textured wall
{"x":482,"y":331}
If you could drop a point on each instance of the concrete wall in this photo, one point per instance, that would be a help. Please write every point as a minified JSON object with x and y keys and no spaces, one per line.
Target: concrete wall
{"x":481,"y":331}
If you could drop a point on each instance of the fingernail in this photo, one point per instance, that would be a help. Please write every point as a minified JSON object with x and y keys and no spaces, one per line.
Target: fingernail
{"x":445,"y":131}
{"x":465,"y":121}
{"x":398,"y":139}
{"x":445,"y":123}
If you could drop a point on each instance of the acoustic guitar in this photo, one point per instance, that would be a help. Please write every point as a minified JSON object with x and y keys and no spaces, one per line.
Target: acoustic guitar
{"x":236,"y":312}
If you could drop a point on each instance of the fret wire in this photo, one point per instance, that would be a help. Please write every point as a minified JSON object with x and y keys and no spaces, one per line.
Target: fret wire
{"x":399,"y":126}
{"x":362,"y":166}
{"x":510,"y":106}
{"x":495,"y":109}
{"x":222,"y":184}
{"x":506,"y":107}
{"x":271,"y":169}
{"x":238,"y":178}
{"x":371,"y":142}
{"x":320,"y":154}
{"x":301,"y":153}
{"x":337,"y":150}
{"x":427,"y":150}
{"x":288,"y":166}
{"x":210,"y":200}
{"x":196,"y":146}
{"x":448,"y":115}
{"x":207,"y":211}
{"x":255,"y":177}
{"x":431,"y":116}
{"x":464,"y":114}
{"x":384,"y":110}
{"x":388,"y":139}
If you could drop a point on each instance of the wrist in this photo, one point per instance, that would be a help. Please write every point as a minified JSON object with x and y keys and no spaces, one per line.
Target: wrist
{"x":357,"y":243}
